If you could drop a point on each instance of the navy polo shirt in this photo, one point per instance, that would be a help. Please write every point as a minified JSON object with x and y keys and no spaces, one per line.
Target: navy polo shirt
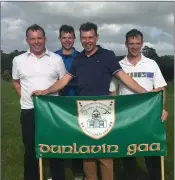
{"x":94,"y":73}
{"x":71,"y":88}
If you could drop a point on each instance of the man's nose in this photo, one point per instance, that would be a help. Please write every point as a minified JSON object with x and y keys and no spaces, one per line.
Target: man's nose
{"x":135,"y":46}
{"x":36,"y":41}
{"x":67,"y":39}
{"x":87,"y":40}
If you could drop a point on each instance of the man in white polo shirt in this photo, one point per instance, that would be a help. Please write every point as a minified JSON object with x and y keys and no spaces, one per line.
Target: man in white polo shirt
{"x":148,"y":75}
{"x":37,"y":68}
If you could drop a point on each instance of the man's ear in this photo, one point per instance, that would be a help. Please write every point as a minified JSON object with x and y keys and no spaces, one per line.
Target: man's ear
{"x":142,"y":43}
{"x":97,"y":37}
{"x":27,"y":41}
{"x":126,"y":45}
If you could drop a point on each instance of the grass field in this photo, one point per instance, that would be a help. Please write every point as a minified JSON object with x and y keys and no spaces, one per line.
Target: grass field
{"x":12,"y":148}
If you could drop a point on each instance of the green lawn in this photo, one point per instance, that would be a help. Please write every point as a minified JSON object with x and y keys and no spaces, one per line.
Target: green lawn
{"x":12,"y":148}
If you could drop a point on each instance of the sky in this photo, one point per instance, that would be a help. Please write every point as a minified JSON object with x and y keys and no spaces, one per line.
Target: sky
{"x":114,"y":19}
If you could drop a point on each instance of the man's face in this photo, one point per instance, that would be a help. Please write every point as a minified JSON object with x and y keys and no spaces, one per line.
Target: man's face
{"x":88,"y":40}
{"x":36,"y":41}
{"x":134,"y":45}
{"x":67,"y":40}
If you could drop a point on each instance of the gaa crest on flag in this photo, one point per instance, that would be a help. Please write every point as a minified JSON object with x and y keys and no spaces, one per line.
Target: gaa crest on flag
{"x":96,"y":117}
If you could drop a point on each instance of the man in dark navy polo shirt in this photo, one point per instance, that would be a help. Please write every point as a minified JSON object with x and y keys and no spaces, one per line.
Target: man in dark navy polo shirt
{"x":94,"y":72}
{"x":68,"y":53}
{"x":94,"y":69}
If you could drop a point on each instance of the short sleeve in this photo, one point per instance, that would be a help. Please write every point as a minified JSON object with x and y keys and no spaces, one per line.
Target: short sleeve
{"x":114,"y":65}
{"x":15,"y":70}
{"x":114,"y":84}
{"x":72,"y":70}
{"x":159,"y":80}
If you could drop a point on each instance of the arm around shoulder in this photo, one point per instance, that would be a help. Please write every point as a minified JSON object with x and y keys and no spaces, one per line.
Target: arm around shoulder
{"x":57,"y":86}
{"x":60,"y":84}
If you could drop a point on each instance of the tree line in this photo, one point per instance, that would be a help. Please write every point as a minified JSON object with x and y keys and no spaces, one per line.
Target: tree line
{"x":166,"y":62}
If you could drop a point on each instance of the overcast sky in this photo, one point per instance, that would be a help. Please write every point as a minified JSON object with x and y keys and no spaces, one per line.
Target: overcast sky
{"x":114,"y":20}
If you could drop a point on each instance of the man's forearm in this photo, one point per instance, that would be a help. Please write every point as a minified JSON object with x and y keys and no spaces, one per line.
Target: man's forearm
{"x":164,"y":98}
{"x":164,"y":112}
{"x":129,"y":82}
{"x":58,"y":85}
{"x":18,"y":90}
{"x":17,"y":86}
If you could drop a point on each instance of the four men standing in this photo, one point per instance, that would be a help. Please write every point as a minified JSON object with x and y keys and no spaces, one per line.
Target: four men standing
{"x":88,"y":74}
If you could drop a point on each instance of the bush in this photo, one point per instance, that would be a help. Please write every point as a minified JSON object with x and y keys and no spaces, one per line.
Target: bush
{"x":6,"y":76}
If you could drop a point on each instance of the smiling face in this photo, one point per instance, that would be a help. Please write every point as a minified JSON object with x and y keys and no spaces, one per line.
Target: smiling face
{"x":67,"y":40}
{"x":88,"y":40}
{"x":134,"y":45}
{"x":36,"y":41}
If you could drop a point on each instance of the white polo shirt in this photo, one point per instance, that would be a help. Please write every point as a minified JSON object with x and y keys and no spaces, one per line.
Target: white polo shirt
{"x":36,"y":74}
{"x":146,"y":72}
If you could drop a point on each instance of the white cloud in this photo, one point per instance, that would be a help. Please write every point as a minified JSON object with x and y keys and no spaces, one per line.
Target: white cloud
{"x":170,"y":18}
{"x":114,"y":20}
{"x":161,"y":48}
{"x":109,"y":28}
{"x":11,"y":28}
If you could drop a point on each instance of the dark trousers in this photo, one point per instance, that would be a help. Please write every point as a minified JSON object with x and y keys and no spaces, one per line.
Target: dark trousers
{"x":31,"y":170}
{"x":152,"y":163}
{"x":77,"y":167}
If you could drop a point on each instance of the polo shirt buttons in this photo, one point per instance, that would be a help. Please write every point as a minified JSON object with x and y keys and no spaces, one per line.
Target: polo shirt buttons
{"x":37,"y":66}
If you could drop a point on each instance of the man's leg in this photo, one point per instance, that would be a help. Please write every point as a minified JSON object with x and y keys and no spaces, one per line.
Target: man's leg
{"x":129,"y":165}
{"x":154,"y":167}
{"x":106,"y":166}
{"x":77,"y":168}
{"x":57,"y":169}
{"x":90,"y":169}
{"x":28,"y":135}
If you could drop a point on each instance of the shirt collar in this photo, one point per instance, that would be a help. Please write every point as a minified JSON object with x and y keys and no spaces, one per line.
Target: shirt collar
{"x":47,"y":53}
{"x":99,"y":50}
{"x":74,"y":52}
{"x":126,"y":62}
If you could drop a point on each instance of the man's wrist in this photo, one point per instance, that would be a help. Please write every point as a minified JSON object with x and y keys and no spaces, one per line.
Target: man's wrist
{"x":145,"y":91}
{"x":46,"y":91}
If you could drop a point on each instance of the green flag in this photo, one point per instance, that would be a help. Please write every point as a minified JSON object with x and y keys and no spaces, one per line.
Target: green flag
{"x":99,"y":127}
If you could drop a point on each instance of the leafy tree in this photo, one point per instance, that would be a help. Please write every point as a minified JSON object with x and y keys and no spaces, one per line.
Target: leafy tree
{"x":6,"y":60}
{"x":150,"y":52}
{"x":166,"y":63}
{"x":6,"y":76}
{"x":16,"y":51}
